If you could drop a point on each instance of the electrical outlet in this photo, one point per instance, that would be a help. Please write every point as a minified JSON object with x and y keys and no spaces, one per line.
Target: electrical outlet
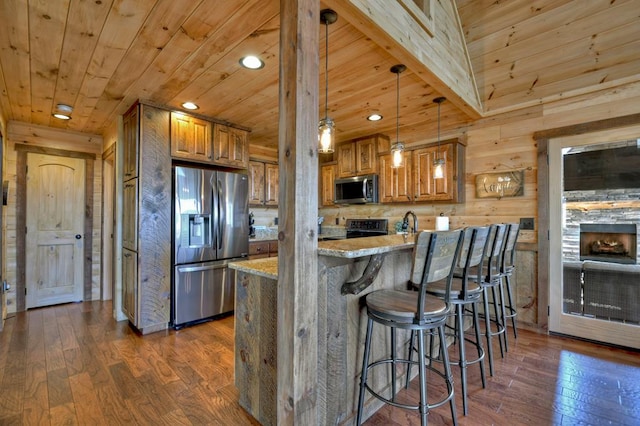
{"x":526,"y":223}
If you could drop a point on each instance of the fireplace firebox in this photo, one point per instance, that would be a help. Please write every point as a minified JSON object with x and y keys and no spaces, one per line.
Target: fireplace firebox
{"x":609,"y":242}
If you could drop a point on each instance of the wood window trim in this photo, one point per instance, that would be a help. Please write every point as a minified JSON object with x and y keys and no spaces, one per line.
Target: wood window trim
{"x":543,"y":139}
{"x":422,"y":12}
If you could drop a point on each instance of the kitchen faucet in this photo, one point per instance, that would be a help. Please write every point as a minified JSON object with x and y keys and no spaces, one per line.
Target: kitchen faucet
{"x":405,"y":222}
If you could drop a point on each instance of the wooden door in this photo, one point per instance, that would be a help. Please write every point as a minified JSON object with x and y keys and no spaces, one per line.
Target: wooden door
{"x":108,"y":223}
{"x":55,"y":226}
{"x":394,"y":183}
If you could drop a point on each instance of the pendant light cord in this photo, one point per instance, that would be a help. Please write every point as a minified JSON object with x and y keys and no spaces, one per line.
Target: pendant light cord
{"x":398,"y":107}
{"x":438,"y":151}
{"x":326,"y":70}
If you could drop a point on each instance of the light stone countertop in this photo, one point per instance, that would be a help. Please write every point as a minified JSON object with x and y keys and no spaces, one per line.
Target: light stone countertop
{"x":270,"y":233}
{"x":349,"y":248}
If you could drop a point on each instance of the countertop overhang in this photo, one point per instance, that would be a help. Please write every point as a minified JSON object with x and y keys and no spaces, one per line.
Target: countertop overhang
{"x":349,"y":249}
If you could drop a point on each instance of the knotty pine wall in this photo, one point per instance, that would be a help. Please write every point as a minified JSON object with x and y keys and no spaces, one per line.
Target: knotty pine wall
{"x":23,"y":133}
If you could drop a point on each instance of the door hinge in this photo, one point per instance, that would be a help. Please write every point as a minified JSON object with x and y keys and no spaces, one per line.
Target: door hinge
{"x":548,"y":311}
{"x":25,"y":291}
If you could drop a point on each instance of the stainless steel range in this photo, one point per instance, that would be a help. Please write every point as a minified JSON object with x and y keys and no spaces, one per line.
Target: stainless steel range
{"x":357,"y":228}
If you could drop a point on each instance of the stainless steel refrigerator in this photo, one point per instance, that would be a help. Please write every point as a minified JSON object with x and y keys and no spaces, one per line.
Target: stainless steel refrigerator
{"x":211,"y":228}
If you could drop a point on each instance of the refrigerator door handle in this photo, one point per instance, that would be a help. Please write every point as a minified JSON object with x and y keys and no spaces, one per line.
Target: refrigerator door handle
{"x":221,"y":215}
{"x":198,"y":268}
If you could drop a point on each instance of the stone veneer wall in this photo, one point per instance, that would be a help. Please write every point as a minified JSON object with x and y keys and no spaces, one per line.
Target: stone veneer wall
{"x":611,"y":206}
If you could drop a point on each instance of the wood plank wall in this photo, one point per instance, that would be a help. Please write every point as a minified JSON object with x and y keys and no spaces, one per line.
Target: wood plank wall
{"x":503,"y":143}
{"x":23,"y":133}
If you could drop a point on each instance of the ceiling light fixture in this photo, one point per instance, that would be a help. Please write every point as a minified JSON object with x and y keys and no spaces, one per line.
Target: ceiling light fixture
{"x":438,"y":162}
{"x":190,"y":105}
{"x":326,"y":126}
{"x":252,"y":62}
{"x":63,"y":112}
{"x":374,"y":117}
{"x":397,"y":149}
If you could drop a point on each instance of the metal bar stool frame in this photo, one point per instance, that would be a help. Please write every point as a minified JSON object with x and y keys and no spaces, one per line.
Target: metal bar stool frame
{"x":507,"y":269}
{"x":465,"y":292}
{"x":435,"y":255}
{"x":492,"y":280}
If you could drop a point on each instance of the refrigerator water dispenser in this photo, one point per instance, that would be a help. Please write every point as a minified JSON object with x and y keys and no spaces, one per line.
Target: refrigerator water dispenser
{"x":199,"y":230}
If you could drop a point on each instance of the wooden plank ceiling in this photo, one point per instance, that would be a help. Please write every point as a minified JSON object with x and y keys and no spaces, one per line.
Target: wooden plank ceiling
{"x":100,"y":56}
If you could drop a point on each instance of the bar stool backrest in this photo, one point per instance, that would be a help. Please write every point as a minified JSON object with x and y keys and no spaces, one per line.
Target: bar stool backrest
{"x":472,"y":254}
{"x":434,"y":257}
{"x":494,"y":251}
{"x":509,"y":253}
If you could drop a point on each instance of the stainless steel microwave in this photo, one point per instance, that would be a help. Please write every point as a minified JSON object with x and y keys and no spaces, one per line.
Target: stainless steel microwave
{"x":356,"y":190}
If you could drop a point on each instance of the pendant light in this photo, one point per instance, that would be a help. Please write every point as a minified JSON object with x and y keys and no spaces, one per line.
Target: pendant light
{"x":326,"y":127}
{"x":438,"y":162}
{"x":397,"y":149}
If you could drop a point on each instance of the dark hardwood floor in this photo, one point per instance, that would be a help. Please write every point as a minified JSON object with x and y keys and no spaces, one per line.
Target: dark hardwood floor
{"x":73,"y":364}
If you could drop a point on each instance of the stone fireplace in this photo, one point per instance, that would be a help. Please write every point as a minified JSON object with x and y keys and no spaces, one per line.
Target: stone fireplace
{"x":609,"y":242}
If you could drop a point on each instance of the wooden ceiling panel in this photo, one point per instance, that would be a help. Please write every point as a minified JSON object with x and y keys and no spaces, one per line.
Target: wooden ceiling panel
{"x":101,"y":56}
{"x":14,"y":58}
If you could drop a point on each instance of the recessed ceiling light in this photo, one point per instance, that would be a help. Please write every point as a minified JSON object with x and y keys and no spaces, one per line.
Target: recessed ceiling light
{"x":189,"y":105}
{"x":64,"y":108}
{"x":252,"y":62}
{"x":61,"y":116}
{"x":374,"y":117}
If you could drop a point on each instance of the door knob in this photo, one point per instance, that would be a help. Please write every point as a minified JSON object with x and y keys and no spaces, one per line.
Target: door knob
{"x":78,"y":236}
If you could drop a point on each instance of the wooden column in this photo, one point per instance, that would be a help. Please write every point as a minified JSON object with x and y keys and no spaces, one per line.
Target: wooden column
{"x":297,"y":347}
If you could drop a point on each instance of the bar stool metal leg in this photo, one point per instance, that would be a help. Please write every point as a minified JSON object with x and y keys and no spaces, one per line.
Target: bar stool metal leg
{"x":363,"y":374}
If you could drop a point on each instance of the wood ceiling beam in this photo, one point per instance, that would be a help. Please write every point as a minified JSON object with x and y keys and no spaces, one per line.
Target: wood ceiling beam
{"x":441,"y":60}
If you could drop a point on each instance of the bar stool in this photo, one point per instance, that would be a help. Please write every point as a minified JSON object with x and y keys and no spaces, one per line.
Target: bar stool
{"x":492,"y":280}
{"x":507,"y":268}
{"x":434,"y":256}
{"x":465,"y":294}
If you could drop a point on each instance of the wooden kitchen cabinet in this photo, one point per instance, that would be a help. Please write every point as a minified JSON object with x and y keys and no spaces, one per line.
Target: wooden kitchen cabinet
{"x":414,"y":181}
{"x":146,"y":220}
{"x":130,"y":215}
{"x":261,"y":249}
{"x":358,"y":157}
{"x":327,"y":178}
{"x":130,"y":144}
{"x":394,"y":183}
{"x":130,"y":285}
{"x":230,"y":146}
{"x":263,"y":183}
{"x":450,"y":188}
{"x":190,"y":137}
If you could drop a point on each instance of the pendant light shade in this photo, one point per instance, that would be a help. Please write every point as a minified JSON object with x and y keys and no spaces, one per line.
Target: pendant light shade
{"x":438,"y":162}
{"x":326,"y":127}
{"x":397,"y":149}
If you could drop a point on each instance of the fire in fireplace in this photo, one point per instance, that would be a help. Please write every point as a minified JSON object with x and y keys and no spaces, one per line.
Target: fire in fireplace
{"x":609,"y":242}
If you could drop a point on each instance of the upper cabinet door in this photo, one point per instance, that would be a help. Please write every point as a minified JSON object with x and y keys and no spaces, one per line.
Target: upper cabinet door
{"x":327,"y":190}
{"x":271,"y":184}
{"x":131,"y":139}
{"x":346,"y":159}
{"x":394,"y":183}
{"x":190,"y":137}
{"x":427,"y":188}
{"x":230,"y":146}
{"x":366,"y":157}
{"x":256,"y":183}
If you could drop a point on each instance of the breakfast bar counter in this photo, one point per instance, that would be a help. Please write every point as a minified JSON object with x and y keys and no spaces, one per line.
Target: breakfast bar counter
{"x":385,"y":262}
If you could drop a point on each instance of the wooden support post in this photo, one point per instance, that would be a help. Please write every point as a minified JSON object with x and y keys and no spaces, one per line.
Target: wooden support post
{"x":297,"y":346}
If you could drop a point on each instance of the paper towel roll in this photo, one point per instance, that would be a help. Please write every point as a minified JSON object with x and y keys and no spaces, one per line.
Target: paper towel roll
{"x":442,"y":223}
